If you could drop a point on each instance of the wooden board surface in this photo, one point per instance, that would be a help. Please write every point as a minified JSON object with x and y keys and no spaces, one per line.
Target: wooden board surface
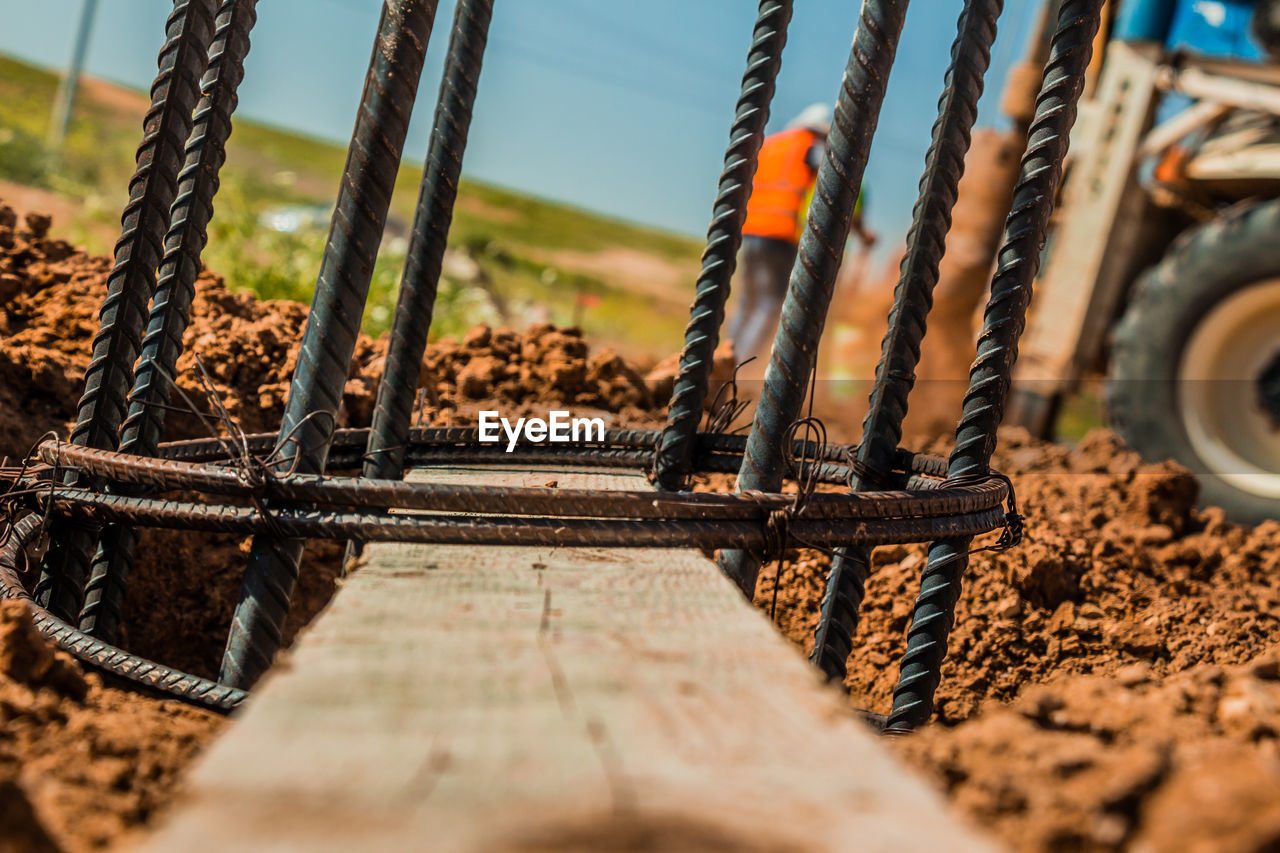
{"x":455,"y":698}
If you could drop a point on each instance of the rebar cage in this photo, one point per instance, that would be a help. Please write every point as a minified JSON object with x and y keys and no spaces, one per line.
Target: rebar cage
{"x":92,"y":493}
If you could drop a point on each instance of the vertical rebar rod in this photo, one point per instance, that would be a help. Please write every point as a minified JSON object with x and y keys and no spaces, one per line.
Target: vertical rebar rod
{"x":131,"y":282}
{"x":724,"y":237}
{"x":329,"y":338}
{"x":1018,"y":262}
{"x":913,"y":297}
{"x":175,"y":291}
{"x":393,"y":413}
{"x":64,"y":101}
{"x":795,"y":348}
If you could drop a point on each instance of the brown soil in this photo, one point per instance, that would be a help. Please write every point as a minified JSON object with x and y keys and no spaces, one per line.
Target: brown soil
{"x":50,"y":294}
{"x":1132,"y":761}
{"x":1113,"y":683}
{"x":180,"y":604}
{"x":81,"y":763}
{"x":1122,"y":599}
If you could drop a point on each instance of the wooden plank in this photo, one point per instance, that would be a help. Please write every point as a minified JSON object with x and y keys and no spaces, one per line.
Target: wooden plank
{"x":455,"y":698}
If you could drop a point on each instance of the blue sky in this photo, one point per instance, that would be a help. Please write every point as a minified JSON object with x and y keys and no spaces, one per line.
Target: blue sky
{"x":615,"y":106}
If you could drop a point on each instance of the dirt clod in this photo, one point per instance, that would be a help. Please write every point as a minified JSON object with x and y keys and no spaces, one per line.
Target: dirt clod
{"x":1189,"y":763}
{"x":81,"y":763}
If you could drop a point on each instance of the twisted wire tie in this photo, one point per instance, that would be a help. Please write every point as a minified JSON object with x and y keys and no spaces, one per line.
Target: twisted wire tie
{"x":724,"y":410}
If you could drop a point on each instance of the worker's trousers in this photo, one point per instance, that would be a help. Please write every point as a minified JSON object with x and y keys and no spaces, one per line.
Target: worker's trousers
{"x":764,"y":268}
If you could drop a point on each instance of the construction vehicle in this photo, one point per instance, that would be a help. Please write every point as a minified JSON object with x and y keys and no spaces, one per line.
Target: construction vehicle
{"x":1162,"y":268}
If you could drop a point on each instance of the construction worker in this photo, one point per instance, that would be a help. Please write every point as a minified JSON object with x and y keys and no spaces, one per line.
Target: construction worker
{"x":783,"y":187}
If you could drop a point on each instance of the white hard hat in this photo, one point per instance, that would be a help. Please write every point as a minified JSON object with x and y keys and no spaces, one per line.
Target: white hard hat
{"x":815,"y":117}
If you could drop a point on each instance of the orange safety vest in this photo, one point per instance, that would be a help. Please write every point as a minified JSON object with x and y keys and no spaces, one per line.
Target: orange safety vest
{"x":783,"y":178}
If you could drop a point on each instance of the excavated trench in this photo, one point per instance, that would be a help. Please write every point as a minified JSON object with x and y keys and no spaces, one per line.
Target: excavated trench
{"x":1114,"y":683}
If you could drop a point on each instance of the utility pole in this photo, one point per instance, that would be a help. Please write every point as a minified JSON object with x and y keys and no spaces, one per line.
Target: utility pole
{"x":64,"y":101}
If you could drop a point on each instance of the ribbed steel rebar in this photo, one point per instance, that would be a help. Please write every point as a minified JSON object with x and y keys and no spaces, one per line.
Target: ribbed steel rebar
{"x":393,"y":413}
{"x":724,"y":237}
{"x":153,"y":475}
{"x":175,"y":291}
{"x":132,"y":280}
{"x":913,"y":297}
{"x":329,"y":338}
{"x":1003,"y":322}
{"x":804,"y":312}
{"x":379,"y":525}
{"x":92,"y":651}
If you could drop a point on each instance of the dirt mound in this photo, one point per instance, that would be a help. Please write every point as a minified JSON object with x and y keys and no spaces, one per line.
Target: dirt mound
{"x":50,"y":294}
{"x":1130,"y":762}
{"x":1120,"y":583}
{"x":1117,"y":567}
{"x":80,"y":763}
{"x":525,"y":373}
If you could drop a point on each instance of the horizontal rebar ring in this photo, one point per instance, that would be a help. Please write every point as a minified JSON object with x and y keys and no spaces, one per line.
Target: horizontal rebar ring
{"x":160,"y":475}
{"x":237,"y":488}
{"x":319,"y":506}
{"x":372,"y":526}
{"x":94,"y":652}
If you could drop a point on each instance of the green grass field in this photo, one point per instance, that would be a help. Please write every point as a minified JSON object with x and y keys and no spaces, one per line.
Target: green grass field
{"x":538,"y":259}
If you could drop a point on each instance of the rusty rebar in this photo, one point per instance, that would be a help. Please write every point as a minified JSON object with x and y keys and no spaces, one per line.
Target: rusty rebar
{"x":913,"y":297}
{"x":724,"y":238}
{"x":94,"y":652}
{"x":795,"y":348}
{"x":175,"y":290}
{"x":149,"y":476}
{"x":373,"y":525}
{"x":132,"y":280}
{"x":329,"y":339}
{"x":1018,"y":261}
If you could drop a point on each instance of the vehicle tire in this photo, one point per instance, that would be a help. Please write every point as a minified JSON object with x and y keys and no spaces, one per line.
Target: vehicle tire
{"x":1195,"y":362}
